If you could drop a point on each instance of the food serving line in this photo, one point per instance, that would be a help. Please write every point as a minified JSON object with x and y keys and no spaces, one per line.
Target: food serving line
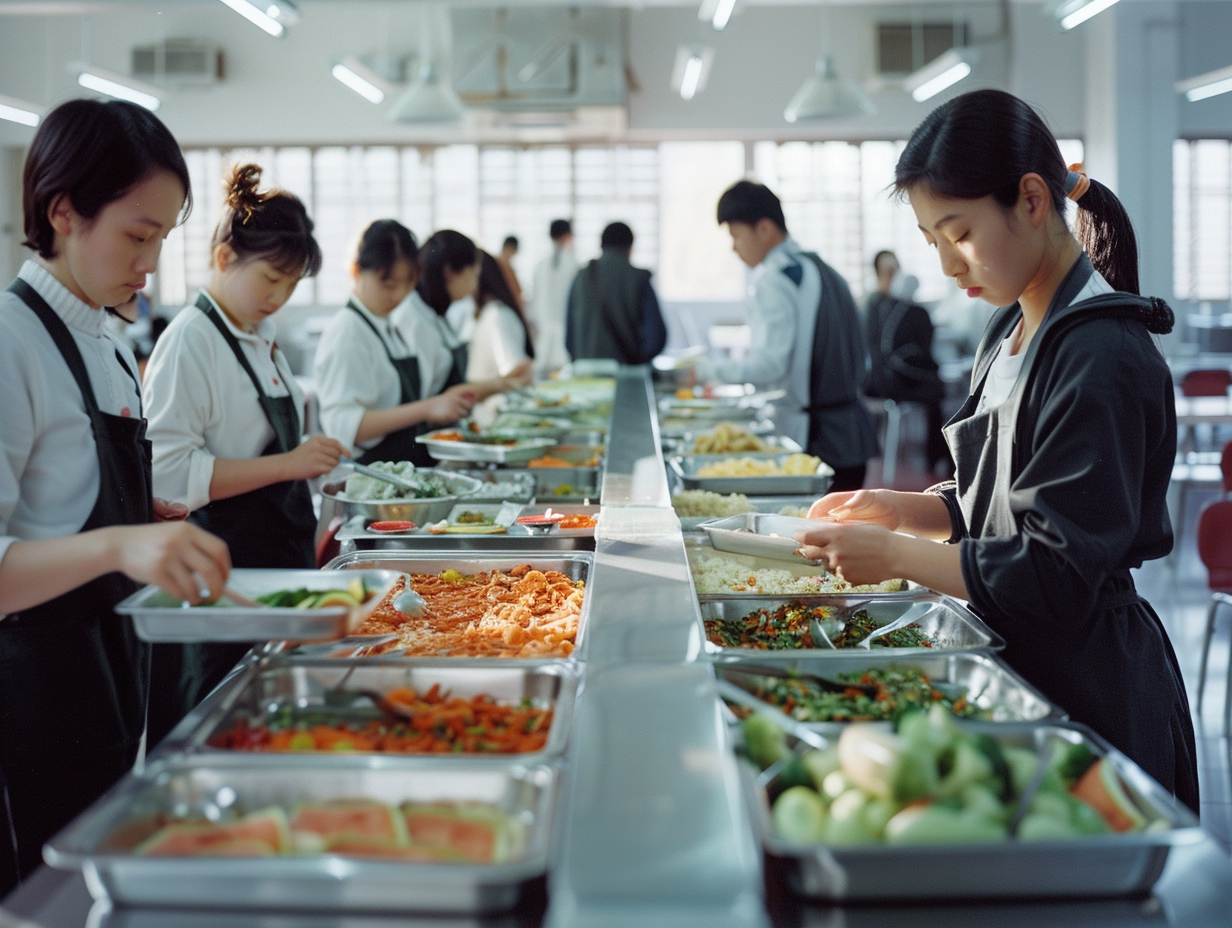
{"x":640,"y":804}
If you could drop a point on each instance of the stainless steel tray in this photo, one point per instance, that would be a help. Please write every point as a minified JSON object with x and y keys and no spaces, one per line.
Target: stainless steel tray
{"x":182,"y":787}
{"x":490,"y":479}
{"x":758,"y":534}
{"x":579,"y":483}
{"x":419,"y":511}
{"x":481,"y":453}
{"x":1103,"y":865}
{"x":686,"y":466}
{"x":160,"y":617}
{"x":575,"y":566}
{"x":953,"y":627}
{"x":991,"y":686}
{"x":304,"y":685}
{"x":767,"y":504}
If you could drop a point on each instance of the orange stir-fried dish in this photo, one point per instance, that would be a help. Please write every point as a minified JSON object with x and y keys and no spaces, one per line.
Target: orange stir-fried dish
{"x":521,"y":612}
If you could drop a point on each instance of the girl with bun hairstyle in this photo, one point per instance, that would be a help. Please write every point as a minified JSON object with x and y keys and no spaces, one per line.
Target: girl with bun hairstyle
{"x":103,"y":185}
{"x":1064,"y":448}
{"x":227,"y":416}
{"x":371,"y":380}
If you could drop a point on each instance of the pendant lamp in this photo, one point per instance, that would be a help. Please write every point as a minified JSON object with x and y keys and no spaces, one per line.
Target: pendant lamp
{"x":825,"y":95}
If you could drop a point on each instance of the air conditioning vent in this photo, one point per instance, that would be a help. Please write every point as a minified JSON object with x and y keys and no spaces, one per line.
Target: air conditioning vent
{"x":178,"y":61}
{"x":906,"y":47}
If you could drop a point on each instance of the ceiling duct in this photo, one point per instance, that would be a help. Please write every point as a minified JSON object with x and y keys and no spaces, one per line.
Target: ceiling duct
{"x":185,"y":62}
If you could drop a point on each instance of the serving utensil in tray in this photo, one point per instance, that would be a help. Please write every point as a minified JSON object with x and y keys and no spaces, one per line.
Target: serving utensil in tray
{"x":158,"y":616}
{"x":215,"y":788}
{"x":419,"y":511}
{"x":685,"y":468}
{"x":759,"y":534}
{"x":1091,"y":866}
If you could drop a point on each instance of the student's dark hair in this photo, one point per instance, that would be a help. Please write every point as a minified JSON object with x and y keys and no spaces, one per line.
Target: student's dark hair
{"x":511,"y":240}
{"x":94,"y":151}
{"x":273,"y":225}
{"x":445,"y":249}
{"x":385,"y":243}
{"x":493,"y":286}
{"x":982,"y":143}
{"x":560,"y":228}
{"x":884,"y":253}
{"x":747,"y":202}
{"x":616,"y":235}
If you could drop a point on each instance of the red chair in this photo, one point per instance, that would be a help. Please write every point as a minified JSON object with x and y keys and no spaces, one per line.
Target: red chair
{"x":1215,"y":549}
{"x":1225,"y":467}
{"x":1206,"y":382}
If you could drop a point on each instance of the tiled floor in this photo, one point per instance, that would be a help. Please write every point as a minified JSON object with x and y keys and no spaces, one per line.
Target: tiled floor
{"x":1177,"y":588}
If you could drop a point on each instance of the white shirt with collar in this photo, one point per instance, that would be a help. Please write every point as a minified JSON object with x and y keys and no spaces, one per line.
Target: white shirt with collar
{"x":353,"y":373}
{"x":49,"y":477}
{"x":202,"y":404}
{"x":430,"y":337}
{"x":499,"y":343}
{"x":781,"y":308}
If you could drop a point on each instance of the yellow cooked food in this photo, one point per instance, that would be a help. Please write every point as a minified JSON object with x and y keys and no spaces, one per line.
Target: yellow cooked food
{"x":727,"y":437}
{"x":795,"y":465}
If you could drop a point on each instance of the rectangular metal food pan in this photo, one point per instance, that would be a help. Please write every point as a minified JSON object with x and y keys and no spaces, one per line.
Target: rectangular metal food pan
{"x":490,"y":479}
{"x":190,"y":787}
{"x":516,"y":540}
{"x":686,"y":466}
{"x":160,"y":617}
{"x":482,"y":453}
{"x":1100,"y":865}
{"x":767,"y":504}
{"x":991,"y":686}
{"x":758,"y":534}
{"x":952,"y":627}
{"x":576,"y":566}
{"x":309,"y":685}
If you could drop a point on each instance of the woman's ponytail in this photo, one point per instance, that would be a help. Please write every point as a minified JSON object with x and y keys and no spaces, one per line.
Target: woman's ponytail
{"x":1104,"y":230}
{"x":272,"y":225}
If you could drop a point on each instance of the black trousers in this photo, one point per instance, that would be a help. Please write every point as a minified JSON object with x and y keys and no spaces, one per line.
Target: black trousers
{"x":849,"y":478}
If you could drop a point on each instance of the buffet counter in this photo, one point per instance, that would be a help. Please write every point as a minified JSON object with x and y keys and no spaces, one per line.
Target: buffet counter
{"x":652,"y":826}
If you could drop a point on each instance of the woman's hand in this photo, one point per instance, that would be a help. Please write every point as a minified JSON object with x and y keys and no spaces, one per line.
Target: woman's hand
{"x":179,"y":557}
{"x":316,"y":456}
{"x":449,"y":406}
{"x":169,"y":512}
{"x":861,"y":553}
{"x":871,"y":507}
{"x":521,"y":376}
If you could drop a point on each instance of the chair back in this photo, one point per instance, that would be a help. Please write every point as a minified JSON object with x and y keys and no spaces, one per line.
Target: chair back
{"x":1206,"y":382}
{"x":1225,"y":466}
{"x":1215,"y":543}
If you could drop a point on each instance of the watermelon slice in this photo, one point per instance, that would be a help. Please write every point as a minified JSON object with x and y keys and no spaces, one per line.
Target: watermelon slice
{"x":259,"y":834}
{"x":477,"y":837}
{"x":373,"y":822}
{"x":360,"y":847}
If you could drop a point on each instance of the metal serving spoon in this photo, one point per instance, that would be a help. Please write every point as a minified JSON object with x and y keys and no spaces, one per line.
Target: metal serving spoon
{"x":910,"y":617}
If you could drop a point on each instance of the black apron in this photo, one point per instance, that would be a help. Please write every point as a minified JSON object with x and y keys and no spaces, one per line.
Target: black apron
{"x":271,"y":527}
{"x":74,"y":677}
{"x":460,"y":354}
{"x":1114,"y":670}
{"x":400,"y":445}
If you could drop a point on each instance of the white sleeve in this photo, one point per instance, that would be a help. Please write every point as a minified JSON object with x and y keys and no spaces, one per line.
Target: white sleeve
{"x":179,"y":405}
{"x":510,"y":341}
{"x":772,"y":318}
{"x":21,"y":387}
{"x":346,"y":380}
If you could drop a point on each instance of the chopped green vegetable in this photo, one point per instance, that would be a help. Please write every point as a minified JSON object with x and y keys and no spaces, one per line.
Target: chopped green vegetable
{"x":763,"y":740}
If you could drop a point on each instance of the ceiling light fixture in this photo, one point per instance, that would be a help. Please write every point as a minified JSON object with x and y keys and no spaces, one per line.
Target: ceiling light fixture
{"x":1076,"y":12}
{"x":946,"y":70}
{"x":723,"y":14}
{"x":430,"y":99}
{"x":117,"y":85}
{"x":272,"y":16}
{"x":691,"y":70}
{"x":1210,"y":84}
{"x":20,"y":111}
{"x":825,"y":95}
{"x":362,"y":79}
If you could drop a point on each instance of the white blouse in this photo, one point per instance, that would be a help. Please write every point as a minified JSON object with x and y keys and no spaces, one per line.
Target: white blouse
{"x":353,"y":373}
{"x":202,"y":404}
{"x":498,"y":345}
{"x":432,"y":339}
{"x":48,"y":460}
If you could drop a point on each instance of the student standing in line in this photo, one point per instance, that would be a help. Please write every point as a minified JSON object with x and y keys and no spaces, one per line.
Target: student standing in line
{"x":1064,"y":449}
{"x":227,"y":416}
{"x":806,"y":337}
{"x":504,"y":261}
{"x":549,"y":300}
{"x":371,"y":383}
{"x":103,"y":185}
{"x":448,"y":272}
{"x":502,"y":339}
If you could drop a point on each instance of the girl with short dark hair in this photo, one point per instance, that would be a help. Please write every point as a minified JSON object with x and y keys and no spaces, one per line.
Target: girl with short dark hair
{"x":1064,"y":449}
{"x":103,"y":185}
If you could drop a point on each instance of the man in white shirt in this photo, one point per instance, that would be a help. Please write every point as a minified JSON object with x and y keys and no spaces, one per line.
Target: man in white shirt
{"x":805,"y":337}
{"x":550,"y":299}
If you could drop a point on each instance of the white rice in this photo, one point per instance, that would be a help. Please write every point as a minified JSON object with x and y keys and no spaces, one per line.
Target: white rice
{"x":715,"y":574}
{"x":706,"y":504}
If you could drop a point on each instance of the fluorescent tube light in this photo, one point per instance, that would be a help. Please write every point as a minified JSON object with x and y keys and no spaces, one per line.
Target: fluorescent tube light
{"x":691,"y":70}
{"x":364,"y":81}
{"x":117,"y":85}
{"x":272,"y":16}
{"x":692,"y":77}
{"x":1076,"y":12}
{"x":1211,"y":84}
{"x":723,"y":14}
{"x":19,"y":111}
{"x":946,"y":70}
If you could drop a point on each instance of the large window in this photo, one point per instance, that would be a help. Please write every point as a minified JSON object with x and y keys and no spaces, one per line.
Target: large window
{"x":485,"y":192}
{"x":1202,"y":219}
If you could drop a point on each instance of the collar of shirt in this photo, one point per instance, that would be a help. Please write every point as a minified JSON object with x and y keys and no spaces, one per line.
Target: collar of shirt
{"x":76,"y":314}
{"x":267,"y":329}
{"x":384,"y":324}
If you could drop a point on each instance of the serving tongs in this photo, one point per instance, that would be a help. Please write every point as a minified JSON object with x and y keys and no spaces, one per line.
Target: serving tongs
{"x":396,"y":479}
{"x":785,"y":673}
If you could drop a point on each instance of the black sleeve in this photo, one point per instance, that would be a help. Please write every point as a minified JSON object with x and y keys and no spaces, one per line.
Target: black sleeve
{"x":1078,"y":497}
{"x":652,"y":334}
{"x":570,"y":308}
{"x":948,"y":493}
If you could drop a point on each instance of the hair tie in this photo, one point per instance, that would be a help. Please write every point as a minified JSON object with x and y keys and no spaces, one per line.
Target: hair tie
{"x":1076,"y":182}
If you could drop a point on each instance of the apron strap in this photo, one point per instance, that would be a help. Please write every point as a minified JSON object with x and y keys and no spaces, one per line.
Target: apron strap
{"x":408,"y":374}
{"x":368,"y":322}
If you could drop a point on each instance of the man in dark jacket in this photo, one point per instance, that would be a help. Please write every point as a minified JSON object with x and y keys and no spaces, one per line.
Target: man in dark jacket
{"x":613,"y":310}
{"x":900,"y":339}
